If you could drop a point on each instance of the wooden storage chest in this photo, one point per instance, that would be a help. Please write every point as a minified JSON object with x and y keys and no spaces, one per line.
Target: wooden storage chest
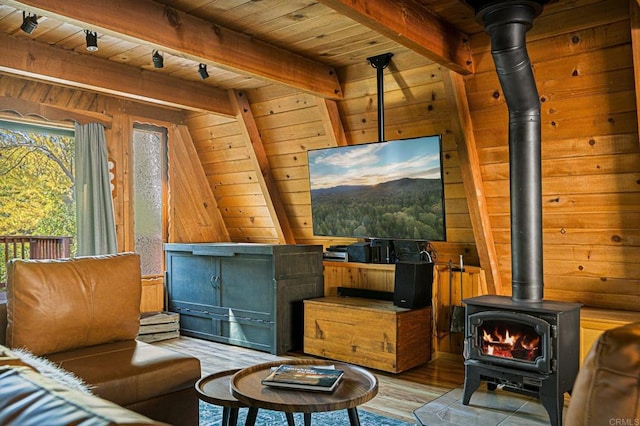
{"x":243,"y":294}
{"x":370,"y":333}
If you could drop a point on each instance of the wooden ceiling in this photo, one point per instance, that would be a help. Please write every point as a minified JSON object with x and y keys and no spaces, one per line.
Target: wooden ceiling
{"x":246,"y":44}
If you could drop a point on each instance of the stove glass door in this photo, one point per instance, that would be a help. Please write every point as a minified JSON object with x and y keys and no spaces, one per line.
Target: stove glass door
{"x":510,"y":338}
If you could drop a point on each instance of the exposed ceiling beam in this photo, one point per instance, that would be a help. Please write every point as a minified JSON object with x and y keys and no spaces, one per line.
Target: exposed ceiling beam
{"x":178,"y":33}
{"x":412,"y":25}
{"x":333,"y":127}
{"x":456,"y":94}
{"x":36,"y":60}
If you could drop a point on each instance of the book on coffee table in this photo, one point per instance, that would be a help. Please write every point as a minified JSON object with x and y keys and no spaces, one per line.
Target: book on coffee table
{"x":317,"y":378}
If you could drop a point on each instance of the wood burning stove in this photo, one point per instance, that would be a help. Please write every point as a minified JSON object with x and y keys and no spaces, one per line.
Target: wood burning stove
{"x":528,"y":348}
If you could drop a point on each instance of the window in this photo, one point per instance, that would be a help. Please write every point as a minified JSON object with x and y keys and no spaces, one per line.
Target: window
{"x":149,"y":194}
{"x":37,"y":206}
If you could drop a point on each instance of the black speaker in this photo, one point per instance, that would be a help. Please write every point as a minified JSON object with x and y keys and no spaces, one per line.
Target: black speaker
{"x":413,"y":284}
{"x":359,"y":252}
{"x":382,"y":251}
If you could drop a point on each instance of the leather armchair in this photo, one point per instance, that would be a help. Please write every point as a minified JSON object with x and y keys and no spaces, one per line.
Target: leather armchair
{"x":607,"y":388}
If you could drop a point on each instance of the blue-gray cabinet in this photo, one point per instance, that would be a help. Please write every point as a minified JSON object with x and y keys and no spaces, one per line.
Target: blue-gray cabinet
{"x":243,"y":294}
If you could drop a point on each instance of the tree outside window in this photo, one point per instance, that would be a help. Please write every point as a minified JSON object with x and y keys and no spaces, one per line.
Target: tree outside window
{"x":36,"y":182}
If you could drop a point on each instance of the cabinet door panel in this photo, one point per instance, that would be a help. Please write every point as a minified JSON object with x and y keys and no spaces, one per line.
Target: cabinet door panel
{"x":247,"y":283}
{"x":193,"y":280}
{"x":250,"y":333}
{"x":199,"y":326}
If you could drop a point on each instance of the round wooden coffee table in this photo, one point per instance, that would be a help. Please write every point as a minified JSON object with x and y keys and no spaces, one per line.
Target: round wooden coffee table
{"x":357,"y":387}
{"x":215,"y":390}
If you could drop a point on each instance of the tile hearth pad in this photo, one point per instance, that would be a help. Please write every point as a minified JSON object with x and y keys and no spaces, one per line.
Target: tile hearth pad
{"x":486,"y":408}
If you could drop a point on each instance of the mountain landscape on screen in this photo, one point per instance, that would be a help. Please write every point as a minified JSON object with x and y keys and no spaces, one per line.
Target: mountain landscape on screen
{"x":406,"y":208}
{"x":391,"y":190}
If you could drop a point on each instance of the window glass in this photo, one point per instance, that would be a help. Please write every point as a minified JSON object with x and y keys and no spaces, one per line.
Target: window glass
{"x":37,"y":207}
{"x":149,"y":175}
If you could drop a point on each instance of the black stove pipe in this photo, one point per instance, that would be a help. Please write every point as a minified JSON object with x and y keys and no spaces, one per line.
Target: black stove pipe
{"x":507,"y":23}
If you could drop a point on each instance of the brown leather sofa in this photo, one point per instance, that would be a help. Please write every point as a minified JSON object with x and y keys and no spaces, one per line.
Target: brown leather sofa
{"x":607,"y":388}
{"x":30,"y":398}
{"x":84,"y":314}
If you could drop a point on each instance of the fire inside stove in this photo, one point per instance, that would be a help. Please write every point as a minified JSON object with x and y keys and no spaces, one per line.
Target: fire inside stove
{"x":509,"y":340}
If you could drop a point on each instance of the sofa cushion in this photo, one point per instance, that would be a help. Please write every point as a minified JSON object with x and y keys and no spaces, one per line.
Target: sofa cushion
{"x":28,"y":398}
{"x":59,"y":305}
{"x":130,"y":371}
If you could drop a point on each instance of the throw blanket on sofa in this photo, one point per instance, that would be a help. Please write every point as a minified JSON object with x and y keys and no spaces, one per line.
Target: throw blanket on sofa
{"x":52,"y":370}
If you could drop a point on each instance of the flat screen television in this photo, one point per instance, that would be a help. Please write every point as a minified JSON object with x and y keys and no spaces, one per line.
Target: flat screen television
{"x":385,"y":190}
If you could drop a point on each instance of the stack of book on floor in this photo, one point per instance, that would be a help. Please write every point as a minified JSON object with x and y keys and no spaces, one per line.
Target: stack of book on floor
{"x":316,"y":378}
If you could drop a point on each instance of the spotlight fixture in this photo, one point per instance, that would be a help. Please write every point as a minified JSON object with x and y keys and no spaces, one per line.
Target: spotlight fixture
{"x":202,"y":70}
{"x":29,"y":23}
{"x":92,"y":40}
{"x":158,"y":59}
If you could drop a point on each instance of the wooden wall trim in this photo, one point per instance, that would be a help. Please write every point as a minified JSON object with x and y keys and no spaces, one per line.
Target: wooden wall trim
{"x":472,"y":178}
{"x":634,"y":13}
{"x":179,"y":33}
{"x":32,"y":59}
{"x":331,"y":121}
{"x":265,"y":176}
{"x":27,"y":109}
{"x":119,"y":150}
{"x":145,"y":112}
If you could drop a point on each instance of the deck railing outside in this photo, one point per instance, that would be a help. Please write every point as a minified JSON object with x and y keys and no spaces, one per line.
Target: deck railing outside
{"x":31,"y":247}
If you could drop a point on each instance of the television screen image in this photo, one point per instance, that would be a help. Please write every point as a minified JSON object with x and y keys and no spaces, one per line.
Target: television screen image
{"x":385,"y":190}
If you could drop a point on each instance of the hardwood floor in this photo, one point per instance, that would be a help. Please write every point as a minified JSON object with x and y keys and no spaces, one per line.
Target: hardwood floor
{"x":398,"y":394}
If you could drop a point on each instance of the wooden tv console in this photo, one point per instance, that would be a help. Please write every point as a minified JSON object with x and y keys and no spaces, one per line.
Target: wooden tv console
{"x":366,"y":332}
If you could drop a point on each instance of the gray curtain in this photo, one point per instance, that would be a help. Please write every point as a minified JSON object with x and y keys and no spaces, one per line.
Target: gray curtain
{"x":94,"y":205}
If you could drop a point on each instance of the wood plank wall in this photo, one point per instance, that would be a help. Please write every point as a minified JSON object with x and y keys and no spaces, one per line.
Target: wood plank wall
{"x":583,"y":64}
{"x":591,"y":194}
{"x":415,"y":105}
{"x":291,"y":123}
{"x":583,"y":67}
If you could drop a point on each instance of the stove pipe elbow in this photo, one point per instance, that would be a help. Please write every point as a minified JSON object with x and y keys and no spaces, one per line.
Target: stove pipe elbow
{"x":507,"y":22}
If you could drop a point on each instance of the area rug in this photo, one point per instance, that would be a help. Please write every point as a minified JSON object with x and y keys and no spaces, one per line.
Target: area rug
{"x":211,"y":415}
{"x":486,"y":408}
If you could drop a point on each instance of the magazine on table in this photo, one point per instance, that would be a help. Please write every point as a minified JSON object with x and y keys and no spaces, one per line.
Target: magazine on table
{"x":318,"y":378}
